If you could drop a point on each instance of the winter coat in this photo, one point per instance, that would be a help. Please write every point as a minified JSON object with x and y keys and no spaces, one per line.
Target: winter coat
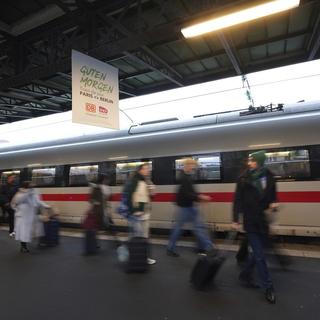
{"x":252,"y":204}
{"x":99,"y":195}
{"x":139,"y":197}
{"x":26,"y":203}
{"x":90,"y":221}
{"x":7,"y":193}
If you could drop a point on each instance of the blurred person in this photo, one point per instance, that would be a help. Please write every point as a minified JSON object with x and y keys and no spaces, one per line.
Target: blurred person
{"x":139,"y":191}
{"x":8,"y":191}
{"x":26,"y":203}
{"x":255,"y":193}
{"x":186,"y":196}
{"x":90,"y":227}
{"x":100,"y":194}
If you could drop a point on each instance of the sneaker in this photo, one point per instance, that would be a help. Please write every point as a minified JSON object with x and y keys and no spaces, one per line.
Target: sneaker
{"x":270,"y":296}
{"x":201,"y":252}
{"x":172,"y":253}
{"x":212,"y":252}
{"x":151,"y":261}
{"x":12,"y":234}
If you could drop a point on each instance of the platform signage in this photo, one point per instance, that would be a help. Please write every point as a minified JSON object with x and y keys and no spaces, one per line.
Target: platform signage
{"x":95,"y":92}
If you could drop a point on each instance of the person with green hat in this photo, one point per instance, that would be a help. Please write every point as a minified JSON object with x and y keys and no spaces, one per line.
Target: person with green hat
{"x":255,"y":193}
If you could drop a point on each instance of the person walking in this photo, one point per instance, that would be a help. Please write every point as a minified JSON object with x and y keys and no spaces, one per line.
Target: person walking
{"x":255,"y":193}
{"x":139,"y":191}
{"x":186,"y":197}
{"x":26,"y":202}
{"x":8,"y":191}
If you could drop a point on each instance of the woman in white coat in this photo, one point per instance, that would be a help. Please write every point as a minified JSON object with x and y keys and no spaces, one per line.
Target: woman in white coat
{"x":26,"y":203}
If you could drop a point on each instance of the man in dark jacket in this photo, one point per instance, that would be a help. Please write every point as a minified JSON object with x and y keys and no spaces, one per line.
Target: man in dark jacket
{"x":8,"y":191}
{"x":186,"y":196}
{"x":255,"y":193}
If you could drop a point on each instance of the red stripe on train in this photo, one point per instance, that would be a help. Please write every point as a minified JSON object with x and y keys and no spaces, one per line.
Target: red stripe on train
{"x":294,"y":196}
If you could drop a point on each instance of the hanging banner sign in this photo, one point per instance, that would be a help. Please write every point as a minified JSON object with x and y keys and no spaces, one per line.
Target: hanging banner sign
{"x":95,"y":92}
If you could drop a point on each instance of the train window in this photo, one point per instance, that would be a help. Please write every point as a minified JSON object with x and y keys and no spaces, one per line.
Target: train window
{"x":43,"y":176}
{"x":289,"y":164}
{"x":125,"y":170}
{"x":208,"y":168}
{"x":81,"y":175}
{"x":5,"y":174}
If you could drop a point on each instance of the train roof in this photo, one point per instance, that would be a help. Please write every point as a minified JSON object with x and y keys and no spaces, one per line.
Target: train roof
{"x":282,"y":126}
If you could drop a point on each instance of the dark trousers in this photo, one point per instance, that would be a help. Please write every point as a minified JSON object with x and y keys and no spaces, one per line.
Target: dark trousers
{"x":257,"y":242}
{"x":10,"y":219}
{"x":242,"y":254}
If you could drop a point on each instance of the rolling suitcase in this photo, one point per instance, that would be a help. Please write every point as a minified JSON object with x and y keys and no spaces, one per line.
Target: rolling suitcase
{"x":205,"y":270}
{"x":51,"y":230}
{"x":207,"y":267}
{"x":138,"y":255}
{"x":90,"y":242}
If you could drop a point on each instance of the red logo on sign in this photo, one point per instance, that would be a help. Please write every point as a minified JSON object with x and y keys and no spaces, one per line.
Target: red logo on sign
{"x":90,"y":107}
{"x":103,"y":109}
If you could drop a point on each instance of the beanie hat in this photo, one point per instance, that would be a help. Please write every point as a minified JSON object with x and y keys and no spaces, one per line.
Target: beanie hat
{"x":259,"y":157}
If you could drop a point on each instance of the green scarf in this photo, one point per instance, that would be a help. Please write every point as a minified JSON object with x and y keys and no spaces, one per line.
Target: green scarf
{"x":255,"y":178}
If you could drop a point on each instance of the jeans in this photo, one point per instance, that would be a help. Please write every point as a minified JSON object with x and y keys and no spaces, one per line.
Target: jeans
{"x":257,"y":242}
{"x":190,"y":214}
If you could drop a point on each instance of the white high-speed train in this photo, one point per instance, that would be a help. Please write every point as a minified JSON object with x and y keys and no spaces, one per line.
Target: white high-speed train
{"x":220,"y":142}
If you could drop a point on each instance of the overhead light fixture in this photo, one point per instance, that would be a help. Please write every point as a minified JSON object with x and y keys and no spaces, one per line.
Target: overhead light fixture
{"x":118,"y":158}
{"x":238,"y":17}
{"x":31,"y":165}
{"x":264,"y":145}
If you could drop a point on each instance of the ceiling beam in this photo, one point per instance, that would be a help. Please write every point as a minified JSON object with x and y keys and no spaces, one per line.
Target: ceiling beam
{"x":40,"y":94}
{"x":2,"y":105}
{"x":222,"y":52}
{"x":106,"y":50}
{"x":314,"y":43}
{"x":61,"y":5}
{"x":54,"y":86}
{"x":211,"y":75}
{"x":146,"y":56}
{"x":28,"y":99}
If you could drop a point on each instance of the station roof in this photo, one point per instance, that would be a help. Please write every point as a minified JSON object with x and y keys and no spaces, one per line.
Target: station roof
{"x":142,"y":38}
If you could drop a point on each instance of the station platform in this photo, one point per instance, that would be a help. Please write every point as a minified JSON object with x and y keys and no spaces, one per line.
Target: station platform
{"x":61,"y":283}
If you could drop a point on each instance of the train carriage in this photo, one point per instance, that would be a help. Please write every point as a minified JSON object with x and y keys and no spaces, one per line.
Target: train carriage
{"x":220,"y":142}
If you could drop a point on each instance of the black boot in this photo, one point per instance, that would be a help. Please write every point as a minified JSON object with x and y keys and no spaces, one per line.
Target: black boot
{"x":270,"y":296}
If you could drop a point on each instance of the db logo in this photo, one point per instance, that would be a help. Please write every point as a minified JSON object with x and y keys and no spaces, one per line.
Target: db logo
{"x":90,"y":107}
{"x":103,"y":109}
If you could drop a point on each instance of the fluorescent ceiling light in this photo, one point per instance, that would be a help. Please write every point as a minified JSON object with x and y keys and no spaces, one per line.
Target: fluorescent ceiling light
{"x":118,"y":158}
{"x":264,"y":145}
{"x":34,"y":165}
{"x":239,"y":17}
